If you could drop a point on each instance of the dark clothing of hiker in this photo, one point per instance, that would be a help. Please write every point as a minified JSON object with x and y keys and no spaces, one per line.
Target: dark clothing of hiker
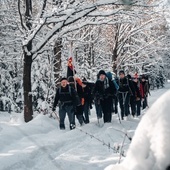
{"x":103,"y":91}
{"x":67,"y":99}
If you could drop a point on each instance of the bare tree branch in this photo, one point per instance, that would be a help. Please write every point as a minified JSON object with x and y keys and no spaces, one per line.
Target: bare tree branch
{"x":19,"y":11}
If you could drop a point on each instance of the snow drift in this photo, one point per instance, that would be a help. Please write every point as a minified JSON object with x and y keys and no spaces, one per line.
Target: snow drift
{"x":150,"y":147}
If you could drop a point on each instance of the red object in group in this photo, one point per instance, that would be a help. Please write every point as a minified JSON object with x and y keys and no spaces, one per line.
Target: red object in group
{"x":70,"y":63}
{"x":136,"y":76}
{"x":70,"y":67}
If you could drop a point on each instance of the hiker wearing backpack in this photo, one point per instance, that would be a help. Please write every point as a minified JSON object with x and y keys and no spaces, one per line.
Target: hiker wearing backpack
{"x":136,"y":104}
{"x":114,"y":96}
{"x":124,"y":93}
{"x":66,"y":98}
{"x":144,"y":90}
{"x":78,"y":110}
{"x":103,"y":91}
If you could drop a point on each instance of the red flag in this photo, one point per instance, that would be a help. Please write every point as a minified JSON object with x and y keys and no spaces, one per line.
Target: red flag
{"x":70,"y":67}
{"x":70,"y":63}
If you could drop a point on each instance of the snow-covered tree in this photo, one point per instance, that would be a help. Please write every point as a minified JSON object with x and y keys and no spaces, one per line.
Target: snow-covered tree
{"x":45,"y":23}
{"x":55,"y":20}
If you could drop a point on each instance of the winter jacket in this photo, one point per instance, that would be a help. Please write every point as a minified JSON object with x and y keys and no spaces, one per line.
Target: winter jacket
{"x":87,"y":95}
{"x":104,"y":89}
{"x":136,"y":94}
{"x":144,"y":89}
{"x":66,"y":96}
{"x":125,"y":86}
{"x":79,"y":89}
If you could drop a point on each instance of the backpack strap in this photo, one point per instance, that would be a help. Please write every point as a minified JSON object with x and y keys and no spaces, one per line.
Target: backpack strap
{"x":69,"y":90}
{"x":59,"y":90}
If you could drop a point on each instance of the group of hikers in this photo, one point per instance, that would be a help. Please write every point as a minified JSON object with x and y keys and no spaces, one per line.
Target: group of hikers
{"x":75,"y":97}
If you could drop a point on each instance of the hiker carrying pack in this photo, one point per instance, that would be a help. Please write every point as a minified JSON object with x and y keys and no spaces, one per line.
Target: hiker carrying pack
{"x":66,"y":98}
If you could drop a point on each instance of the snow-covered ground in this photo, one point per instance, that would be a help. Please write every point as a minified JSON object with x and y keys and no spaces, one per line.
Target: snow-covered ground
{"x":150,"y":147}
{"x":40,"y":145}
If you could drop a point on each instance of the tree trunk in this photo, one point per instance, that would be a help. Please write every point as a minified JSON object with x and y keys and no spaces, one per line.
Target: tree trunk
{"x":114,"y":60}
{"x":57,"y":60}
{"x":28,"y":111}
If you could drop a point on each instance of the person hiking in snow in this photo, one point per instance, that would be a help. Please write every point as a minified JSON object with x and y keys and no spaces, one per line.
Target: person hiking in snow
{"x":132,"y":96}
{"x":124,"y":93}
{"x":66,"y":99}
{"x":87,"y":95}
{"x":78,"y":110}
{"x":97,"y":104}
{"x":114,"y":99}
{"x":103,"y":91}
{"x":136,"y":103}
{"x":144,"y":91}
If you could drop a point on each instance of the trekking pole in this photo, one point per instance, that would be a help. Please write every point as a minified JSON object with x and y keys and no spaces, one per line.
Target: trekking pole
{"x":119,"y":117}
{"x":57,"y":117}
{"x":124,"y":100}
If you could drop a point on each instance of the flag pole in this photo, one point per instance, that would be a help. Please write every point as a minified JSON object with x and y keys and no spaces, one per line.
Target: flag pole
{"x":71,"y":51}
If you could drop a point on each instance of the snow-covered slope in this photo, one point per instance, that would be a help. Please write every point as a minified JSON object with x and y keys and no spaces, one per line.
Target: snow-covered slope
{"x":150,"y":148}
{"x":40,"y":145}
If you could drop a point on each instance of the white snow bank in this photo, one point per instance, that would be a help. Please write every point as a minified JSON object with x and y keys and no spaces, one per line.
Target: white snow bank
{"x":150,"y":148}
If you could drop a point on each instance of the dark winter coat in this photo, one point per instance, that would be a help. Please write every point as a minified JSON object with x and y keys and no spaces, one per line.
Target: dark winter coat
{"x":66,"y":96}
{"x":80,"y":91}
{"x":125,"y":86}
{"x":144,"y":89}
{"x":78,"y":109}
{"x":104,"y":89}
{"x":136,"y":90}
{"x":87,"y":94}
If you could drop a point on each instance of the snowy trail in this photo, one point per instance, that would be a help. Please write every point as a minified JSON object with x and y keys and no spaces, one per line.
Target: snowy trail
{"x":40,"y":145}
{"x":155,"y":94}
{"x":150,"y":147}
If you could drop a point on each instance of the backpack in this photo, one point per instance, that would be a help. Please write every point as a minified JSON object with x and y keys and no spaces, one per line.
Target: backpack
{"x":109,"y":76}
{"x":115,"y":84}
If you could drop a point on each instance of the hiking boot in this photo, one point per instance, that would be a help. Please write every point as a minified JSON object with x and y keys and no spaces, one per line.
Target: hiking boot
{"x":72,"y":126}
{"x":62,"y":127}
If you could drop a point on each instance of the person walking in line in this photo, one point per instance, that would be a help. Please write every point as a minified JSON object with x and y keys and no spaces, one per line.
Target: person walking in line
{"x":103,"y":91}
{"x":97,"y":104}
{"x":144,"y":91}
{"x":78,"y":111}
{"x":124,"y":93}
{"x":87,"y":95}
{"x":111,"y":77}
{"x":136,"y":104}
{"x":66,"y":99}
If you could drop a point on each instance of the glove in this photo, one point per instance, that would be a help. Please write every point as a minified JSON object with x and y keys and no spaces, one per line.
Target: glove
{"x":91,"y":107}
{"x":53,"y":109}
{"x":137,"y":98}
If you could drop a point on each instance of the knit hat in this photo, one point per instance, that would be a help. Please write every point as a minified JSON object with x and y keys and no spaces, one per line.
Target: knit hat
{"x":129,"y":76}
{"x":63,"y":78}
{"x":102,"y":72}
{"x":136,"y":76}
{"x":121,"y":72}
{"x":143,"y":77}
